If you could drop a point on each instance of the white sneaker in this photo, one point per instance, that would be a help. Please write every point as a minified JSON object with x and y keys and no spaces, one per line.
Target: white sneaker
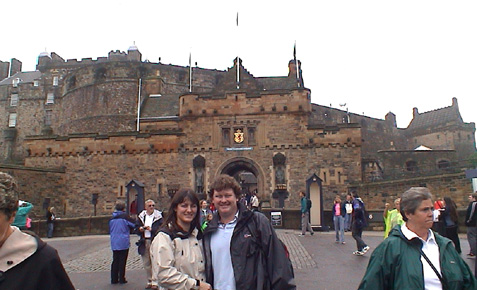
{"x":358,"y":253}
{"x":365,"y":249}
{"x":301,"y":235}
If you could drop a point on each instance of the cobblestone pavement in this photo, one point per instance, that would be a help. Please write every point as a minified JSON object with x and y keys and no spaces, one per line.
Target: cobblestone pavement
{"x":100,"y":259}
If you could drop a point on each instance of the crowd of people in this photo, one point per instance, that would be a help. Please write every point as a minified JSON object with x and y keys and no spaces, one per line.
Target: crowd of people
{"x":229,"y":244}
{"x":201,"y":246}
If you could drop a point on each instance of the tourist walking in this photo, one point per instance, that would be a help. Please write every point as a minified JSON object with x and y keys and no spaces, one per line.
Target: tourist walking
{"x":305,"y":214}
{"x":50,"y":221}
{"x":176,"y":253}
{"x":349,"y":213}
{"x":358,"y":223}
{"x":147,"y":226}
{"x":120,"y":226}
{"x":339,"y":212}
{"x":451,"y":223}
{"x":471,"y":223}
{"x":392,"y":217}
{"x":24,"y":208}
{"x":413,"y":257}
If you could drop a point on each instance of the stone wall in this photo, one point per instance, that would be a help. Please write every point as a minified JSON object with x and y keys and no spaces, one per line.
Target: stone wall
{"x":455,"y":185}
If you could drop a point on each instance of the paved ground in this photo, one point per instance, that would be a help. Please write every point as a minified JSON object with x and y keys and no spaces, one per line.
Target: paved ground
{"x":319,"y":263}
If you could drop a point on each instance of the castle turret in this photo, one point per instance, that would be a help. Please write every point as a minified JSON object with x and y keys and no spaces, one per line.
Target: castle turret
{"x":43,"y":59}
{"x":134,"y":54}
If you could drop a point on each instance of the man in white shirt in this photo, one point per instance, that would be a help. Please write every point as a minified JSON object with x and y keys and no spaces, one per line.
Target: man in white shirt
{"x":413,"y":256}
{"x":148,"y":223}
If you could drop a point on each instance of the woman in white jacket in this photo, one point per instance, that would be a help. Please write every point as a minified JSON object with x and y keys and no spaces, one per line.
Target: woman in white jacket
{"x":176,"y":253}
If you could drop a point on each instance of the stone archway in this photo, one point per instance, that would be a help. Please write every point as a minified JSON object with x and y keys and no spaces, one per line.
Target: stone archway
{"x":246,"y":170}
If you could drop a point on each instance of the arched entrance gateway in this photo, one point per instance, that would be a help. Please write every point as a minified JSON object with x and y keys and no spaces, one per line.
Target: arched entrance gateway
{"x":248,"y":173}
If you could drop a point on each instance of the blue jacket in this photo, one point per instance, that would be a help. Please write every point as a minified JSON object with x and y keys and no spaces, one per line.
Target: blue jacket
{"x":119,"y":230}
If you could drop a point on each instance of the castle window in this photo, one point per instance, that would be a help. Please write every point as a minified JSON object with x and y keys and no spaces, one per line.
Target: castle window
{"x":182,"y":76}
{"x":15,"y":82}
{"x":50,"y":98}
{"x":14,"y":100}
{"x":458,"y":135}
{"x":55,"y":81}
{"x":438,"y":136}
{"x":71,"y":82}
{"x":324,"y":177}
{"x":251,"y":136}
{"x":12,"y":120}
{"x":411,"y":166}
{"x":48,"y":115}
{"x":226,"y":136}
{"x":36,"y":83}
{"x":443,"y":164}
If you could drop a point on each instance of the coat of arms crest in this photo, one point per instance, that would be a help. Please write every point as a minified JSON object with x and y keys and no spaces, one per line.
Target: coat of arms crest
{"x":238,"y":136}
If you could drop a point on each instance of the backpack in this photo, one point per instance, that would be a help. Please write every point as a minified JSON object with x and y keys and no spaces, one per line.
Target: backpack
{"x":308,"y":203}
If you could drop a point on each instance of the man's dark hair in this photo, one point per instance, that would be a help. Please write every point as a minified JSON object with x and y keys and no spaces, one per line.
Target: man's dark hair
{"x":412,"y":198}
{"x":120,"y":205}
{"x":224,"y":181}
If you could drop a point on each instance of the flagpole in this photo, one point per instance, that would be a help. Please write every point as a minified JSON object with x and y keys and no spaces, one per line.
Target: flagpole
{"x":190,"y":73}
{"x":238,"y":62}
{"x":139,"y":103}
{"x":297,"y":67}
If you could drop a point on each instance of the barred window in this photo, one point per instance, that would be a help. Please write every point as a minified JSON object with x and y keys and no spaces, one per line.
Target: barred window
{"x":14,"y":100}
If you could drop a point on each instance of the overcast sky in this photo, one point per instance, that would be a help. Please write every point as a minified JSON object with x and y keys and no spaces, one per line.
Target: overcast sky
{"x":375,"y":56}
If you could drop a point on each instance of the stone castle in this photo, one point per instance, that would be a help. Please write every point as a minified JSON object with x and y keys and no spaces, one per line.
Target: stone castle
{"x":73,"y":130}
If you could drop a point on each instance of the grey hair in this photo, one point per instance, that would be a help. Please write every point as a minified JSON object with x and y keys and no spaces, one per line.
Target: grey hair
{"x":8,"y":194}
{"x":412,"y":198}
{"x":148,"y":201}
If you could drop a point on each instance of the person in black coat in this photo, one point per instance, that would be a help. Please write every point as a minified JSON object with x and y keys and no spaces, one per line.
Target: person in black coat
{"x":27,"y":262}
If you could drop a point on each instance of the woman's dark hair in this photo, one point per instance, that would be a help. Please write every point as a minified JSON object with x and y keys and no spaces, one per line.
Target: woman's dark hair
{"x":451,"y":208}
{"x":171,"y":218}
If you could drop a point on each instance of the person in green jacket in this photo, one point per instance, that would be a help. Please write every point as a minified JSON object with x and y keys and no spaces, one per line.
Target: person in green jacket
{"x":399,"y":262}
{"x":20,"y":219}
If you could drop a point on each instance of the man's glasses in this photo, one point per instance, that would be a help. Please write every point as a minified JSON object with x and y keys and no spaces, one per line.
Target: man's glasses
{"x":150,"y":205}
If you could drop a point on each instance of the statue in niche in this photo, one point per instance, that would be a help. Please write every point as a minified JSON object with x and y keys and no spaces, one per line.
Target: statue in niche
{"x":279,"y":175}
{"x":199,"y":179}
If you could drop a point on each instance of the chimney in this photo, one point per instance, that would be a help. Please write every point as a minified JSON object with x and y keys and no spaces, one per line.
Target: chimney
{"x":15,"y":67}
{"x":454,"y":102}
{"x":415,"y":112}
{"x":4,"y":67}
{"x":391,"y":119}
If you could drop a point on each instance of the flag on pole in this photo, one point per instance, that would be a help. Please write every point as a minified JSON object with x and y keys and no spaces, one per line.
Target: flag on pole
{"x":237,"y":18}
